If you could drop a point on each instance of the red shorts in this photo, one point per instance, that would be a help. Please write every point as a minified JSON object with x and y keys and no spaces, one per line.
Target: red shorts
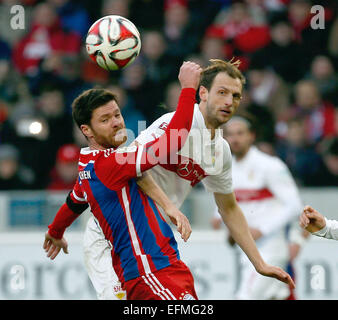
{"x":171,"y":283}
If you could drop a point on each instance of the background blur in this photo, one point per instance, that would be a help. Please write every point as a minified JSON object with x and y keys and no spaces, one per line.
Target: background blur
{"x":292,"y":88}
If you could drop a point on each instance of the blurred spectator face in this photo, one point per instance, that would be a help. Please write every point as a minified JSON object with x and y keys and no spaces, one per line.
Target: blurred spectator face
{"x":118,"y":7}
{"x":322,"y":68}
{"x":299,"y":10}
{"x":133,"y":76}
{"x":176,"y":14}
{"x":282,"y":33}
{"x":153,"y":45}
{"x":307,"y":95}
{"x":296,"y":133}
{"x":51,"y":103}
{"x":172,"y":95}
{"x":239,"y":12}
{"x":44,"y":15}
{"x":8,"y":161}
{"x":8,"y":168}
{"x":67,"y":162}
{"x":58,"y":3}
{"x":256,"y":77}
{"x":240,"y":138}
{"x":212,"y":48}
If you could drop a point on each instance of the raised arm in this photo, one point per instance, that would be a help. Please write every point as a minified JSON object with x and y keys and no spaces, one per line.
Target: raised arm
{"x":234,"y":219}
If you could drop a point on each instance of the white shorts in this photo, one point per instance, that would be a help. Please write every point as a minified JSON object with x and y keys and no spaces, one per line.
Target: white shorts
{"x":254,"y":286}
{"x":98,"y":262}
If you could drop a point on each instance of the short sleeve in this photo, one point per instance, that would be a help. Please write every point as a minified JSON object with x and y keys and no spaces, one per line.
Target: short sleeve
{"x":222,"y":182}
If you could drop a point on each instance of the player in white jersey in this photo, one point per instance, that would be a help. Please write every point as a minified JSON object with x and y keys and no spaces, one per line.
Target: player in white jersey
{"x":205,"y":157}
{"x":314,"y":222}
{"x":268,"y":196}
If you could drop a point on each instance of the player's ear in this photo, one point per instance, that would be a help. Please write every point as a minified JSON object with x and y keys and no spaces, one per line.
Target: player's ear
{"x":86,"y":130}
{"x":203,"y":93}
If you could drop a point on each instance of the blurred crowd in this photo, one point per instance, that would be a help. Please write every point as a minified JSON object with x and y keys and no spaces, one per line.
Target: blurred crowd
{"x":290,"y":66}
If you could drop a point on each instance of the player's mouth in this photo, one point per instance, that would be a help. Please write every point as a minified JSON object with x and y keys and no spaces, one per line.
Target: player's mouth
{"x":226,"y":112}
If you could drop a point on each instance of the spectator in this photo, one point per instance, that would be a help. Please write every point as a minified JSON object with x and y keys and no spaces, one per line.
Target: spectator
{"x":45,"y":38}
{"x":117,"y":7}
{"x":14,"y":176}
{"x":63,"y":175}
{"x":160,"y":67}
{"x":172,"y":95}
{"x":180,"y":30}
{"x":242,"y":34}
{"x":301,"y":157}
{"x":328,"y":173}
{"x":324,"y":76}
{"x":267,"y":89}
{"x":313,"y":41}
{"x":283,"y":54}
{"x":318,"y":114}
{"x":72,"y":15}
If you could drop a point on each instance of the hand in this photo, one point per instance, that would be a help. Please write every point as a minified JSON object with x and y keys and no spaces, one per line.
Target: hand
{"x":277,"y":273}
{"x":181,"y":221}
{"x":311,"y":220}
{"x":189,"y":75}
{"x":53,"y":246}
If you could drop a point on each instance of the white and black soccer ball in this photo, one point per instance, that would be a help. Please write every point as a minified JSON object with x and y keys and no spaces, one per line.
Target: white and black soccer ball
{"x":113,"y":42}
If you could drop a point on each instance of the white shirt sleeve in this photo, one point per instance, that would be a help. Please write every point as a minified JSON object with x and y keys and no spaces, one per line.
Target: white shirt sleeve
{"x":283,"y":187}
{"x":222,"y":182}
{"x":155,"y":130}
{"x":330,"y":231}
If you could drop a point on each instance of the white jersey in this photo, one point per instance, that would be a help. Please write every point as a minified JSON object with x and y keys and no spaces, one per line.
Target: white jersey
{"x":269,"y":199}
{"x":200,"y":159}
{"x":330,"y":231}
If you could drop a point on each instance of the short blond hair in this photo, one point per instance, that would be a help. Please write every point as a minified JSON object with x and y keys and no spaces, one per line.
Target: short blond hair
{"x":216,"y":66}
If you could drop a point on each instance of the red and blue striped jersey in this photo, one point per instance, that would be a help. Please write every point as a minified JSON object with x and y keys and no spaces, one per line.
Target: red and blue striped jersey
{"x":142,"y":241}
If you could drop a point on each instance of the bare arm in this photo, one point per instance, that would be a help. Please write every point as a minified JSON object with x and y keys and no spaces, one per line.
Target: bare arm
{"x":152,"y":189}
{"x":234,"y":219}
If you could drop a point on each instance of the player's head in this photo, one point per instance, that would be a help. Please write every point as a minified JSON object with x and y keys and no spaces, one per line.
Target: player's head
{"x":98,"y":116}
{"x":240,"y":134}
{"x":220,"y":91}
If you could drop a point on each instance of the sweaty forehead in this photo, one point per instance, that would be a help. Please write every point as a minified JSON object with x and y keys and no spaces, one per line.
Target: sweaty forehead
{"x":224,"y":80}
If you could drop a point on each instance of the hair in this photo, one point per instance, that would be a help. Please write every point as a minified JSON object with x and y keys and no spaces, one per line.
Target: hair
{"x":230,"y":67}
{"x":89,"y":100}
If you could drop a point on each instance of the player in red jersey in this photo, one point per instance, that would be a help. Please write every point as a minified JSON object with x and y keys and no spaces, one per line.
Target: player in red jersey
{"x":144,"y":250}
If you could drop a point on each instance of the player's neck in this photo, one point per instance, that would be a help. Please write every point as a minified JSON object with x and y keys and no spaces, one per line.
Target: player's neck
{"x":211,"y":125}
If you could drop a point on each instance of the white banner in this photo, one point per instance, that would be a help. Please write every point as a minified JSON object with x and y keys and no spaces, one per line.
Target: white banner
{"x":26,"y":272}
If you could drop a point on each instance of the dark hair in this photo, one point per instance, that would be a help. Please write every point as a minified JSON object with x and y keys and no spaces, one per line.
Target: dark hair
{"x":89,"y":100}
{"x":230,"y":67}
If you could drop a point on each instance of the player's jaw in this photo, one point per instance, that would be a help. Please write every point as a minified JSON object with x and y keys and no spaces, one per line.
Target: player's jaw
{"x":110,"y":138}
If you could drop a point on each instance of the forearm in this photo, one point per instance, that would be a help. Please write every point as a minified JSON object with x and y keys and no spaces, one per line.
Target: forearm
{"x":240,"y":232}
{"x":63,"y":219}
{"x":151,"y":189}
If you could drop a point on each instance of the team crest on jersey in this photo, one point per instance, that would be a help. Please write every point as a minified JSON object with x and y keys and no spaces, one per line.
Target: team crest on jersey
{"x":118,"y":292}
{"x":186,"y":296}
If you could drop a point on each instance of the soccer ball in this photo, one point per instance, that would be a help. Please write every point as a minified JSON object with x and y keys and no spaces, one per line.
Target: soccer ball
{"x":113,"y":42}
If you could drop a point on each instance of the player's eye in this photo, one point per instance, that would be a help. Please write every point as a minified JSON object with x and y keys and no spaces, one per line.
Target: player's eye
{"x":105,"y":120}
